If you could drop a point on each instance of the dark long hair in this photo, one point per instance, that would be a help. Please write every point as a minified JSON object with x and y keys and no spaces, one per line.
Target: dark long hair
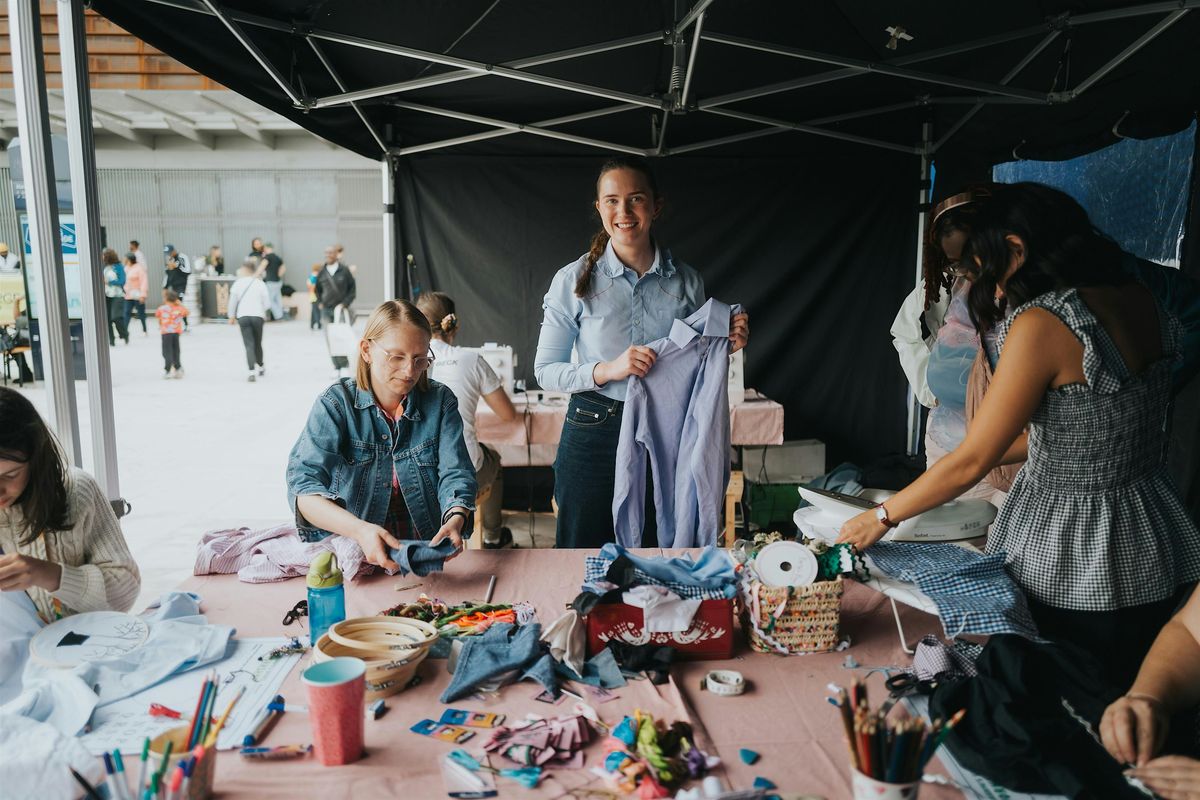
{"x":1062,"y":249}
{"x":24,"y":438}
{"x":600,"y":240}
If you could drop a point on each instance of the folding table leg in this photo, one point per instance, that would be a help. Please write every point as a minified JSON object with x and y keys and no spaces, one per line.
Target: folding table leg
{"x":900,"y":628}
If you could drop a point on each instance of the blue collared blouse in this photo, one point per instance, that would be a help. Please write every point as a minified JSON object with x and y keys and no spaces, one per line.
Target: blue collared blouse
{"x":620,"y":310}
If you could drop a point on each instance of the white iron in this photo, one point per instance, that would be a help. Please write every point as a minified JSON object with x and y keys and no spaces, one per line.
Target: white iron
{"x":956,"y":521}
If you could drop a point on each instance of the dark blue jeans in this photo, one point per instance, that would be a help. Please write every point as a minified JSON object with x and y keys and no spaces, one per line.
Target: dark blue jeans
{"x":585,"y":474}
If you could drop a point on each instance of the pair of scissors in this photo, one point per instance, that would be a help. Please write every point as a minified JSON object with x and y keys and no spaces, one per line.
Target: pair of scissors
{"x":904,"y":684}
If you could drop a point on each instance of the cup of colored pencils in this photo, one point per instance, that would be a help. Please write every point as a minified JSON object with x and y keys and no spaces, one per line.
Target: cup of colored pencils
{"x":180,"y":762}
{"x":887,"y":757}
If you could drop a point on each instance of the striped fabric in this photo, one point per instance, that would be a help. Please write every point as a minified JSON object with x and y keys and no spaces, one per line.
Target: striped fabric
{"x":271,"y":554}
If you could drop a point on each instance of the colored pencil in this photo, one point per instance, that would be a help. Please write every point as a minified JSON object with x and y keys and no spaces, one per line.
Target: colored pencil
{"x":211,"y":739}
{"x":191,"y":737}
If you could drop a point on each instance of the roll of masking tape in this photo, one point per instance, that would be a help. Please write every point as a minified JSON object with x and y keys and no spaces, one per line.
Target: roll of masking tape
{"x":725,"y":682}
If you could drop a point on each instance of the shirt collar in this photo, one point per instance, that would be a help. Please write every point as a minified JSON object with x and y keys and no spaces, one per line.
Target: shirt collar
{"x":364,"y":399}
{"x":711,"y":319}
{"x":611,"y":265}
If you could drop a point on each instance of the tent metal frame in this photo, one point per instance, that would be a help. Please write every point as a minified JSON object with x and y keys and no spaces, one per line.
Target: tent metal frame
{"x":466,"y":69}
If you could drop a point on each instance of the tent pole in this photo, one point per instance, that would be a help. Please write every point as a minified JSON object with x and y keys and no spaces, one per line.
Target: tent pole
{"x":1129,"y":51}
{"x":253,"y":50}
{"x":467,"y":74}
{"x":81,"y":147}
{"x":473,"y":66}
{"x":479,"y":137}
{"x":518,"y":128}
{"x":914,"y":405}
{"x":41,"y":203}
{"x":388,"y":176}
{"x":802,"y":128}
{"x":338,"y":80}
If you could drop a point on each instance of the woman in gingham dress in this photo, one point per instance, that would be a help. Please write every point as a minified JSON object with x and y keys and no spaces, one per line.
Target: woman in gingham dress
{"x":1093,"y":529}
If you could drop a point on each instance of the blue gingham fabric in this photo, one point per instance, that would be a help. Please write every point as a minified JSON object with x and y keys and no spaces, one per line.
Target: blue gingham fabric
{"x":972,"y":591}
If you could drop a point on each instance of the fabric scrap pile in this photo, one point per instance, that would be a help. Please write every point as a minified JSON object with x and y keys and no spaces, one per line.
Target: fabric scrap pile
{"x":652,"y":759}
{"x":555,"y":742}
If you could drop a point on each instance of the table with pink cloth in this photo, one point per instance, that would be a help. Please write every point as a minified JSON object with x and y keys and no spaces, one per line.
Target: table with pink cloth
{"x":531,"y":440}
{"x":783,"y":715}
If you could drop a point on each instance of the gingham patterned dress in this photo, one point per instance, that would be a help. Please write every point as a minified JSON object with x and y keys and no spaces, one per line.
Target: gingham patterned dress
{"x":1093,"y":522}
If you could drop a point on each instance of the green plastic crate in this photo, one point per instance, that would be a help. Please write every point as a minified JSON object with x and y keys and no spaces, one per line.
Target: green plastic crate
{"x":771,"y":505}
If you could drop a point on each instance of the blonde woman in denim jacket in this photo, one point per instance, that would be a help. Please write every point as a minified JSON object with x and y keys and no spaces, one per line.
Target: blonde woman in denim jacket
{"x":382,"y":458}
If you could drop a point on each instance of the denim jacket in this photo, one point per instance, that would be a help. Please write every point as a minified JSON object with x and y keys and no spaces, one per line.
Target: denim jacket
{"x":347,"y":453}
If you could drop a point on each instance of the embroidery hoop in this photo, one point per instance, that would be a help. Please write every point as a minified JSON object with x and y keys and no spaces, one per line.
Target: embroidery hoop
{"x":84,"y":638}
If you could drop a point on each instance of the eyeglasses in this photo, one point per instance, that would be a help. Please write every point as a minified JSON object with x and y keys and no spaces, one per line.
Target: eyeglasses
{"x":398,"y":360}
{"x":299,"y":610}
{"x":961,"y":269}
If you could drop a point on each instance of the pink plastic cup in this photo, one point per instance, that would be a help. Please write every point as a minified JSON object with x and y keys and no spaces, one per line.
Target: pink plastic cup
{"x":335,"y":690}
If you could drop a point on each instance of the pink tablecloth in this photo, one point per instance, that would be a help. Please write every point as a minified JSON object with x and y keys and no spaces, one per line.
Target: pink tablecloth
{"x":783,"y":716}
{"x":532,"y":438}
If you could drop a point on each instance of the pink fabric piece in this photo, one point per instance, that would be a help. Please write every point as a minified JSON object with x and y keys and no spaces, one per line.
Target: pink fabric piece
{"x":271,"y":554}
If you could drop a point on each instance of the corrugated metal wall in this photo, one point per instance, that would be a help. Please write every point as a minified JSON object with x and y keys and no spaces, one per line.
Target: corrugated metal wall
{"x":300,"y":211}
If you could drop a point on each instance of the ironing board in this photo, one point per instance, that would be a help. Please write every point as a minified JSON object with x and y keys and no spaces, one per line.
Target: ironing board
{"x":896,"y":591}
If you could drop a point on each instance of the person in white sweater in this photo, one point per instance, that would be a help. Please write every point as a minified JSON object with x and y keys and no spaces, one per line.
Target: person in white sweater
{"x":248,"y":304}
{"x":61,"y":541}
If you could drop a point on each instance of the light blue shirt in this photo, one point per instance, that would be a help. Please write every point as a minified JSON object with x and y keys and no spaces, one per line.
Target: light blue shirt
{"x":620,"y":310}
{"x":677,"y":417}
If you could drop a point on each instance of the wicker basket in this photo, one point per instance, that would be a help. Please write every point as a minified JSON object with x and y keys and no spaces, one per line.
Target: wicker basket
{"x":792,"y":619}
{"x":391,"y":648}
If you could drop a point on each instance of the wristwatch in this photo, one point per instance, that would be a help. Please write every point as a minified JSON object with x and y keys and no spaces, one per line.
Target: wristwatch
{"x":881,"y":514}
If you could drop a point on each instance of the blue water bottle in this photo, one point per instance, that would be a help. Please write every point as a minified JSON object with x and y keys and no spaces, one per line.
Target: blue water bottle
{"x":326,"y":595}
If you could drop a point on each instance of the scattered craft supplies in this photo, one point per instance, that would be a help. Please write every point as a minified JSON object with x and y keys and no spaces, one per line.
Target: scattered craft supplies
{"x":893,"y":752}
{"x":554,"y":742}
{"x":650,"y":759}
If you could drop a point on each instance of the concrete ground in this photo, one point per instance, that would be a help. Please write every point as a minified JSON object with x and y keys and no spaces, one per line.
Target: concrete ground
{"x":209,"y":450}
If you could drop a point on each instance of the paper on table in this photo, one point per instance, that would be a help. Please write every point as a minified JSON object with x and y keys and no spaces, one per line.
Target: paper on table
{"x":125,"y":724}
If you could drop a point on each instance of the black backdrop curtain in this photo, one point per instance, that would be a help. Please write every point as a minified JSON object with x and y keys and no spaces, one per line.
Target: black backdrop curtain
{"x":821,"y":251}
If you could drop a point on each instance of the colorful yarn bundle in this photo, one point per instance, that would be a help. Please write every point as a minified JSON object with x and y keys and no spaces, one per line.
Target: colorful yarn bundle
{"x":463,"y":619}
{"x":642,"y":757}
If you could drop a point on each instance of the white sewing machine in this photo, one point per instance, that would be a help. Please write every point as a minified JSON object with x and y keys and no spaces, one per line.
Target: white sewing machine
{"x":501,"y":359}
{"x":956,"y":521}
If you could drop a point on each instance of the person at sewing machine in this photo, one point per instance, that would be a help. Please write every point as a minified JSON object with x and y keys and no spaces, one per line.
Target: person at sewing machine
{"x":382,"y":458}
{"x":625,"y":291}
{"x":470,"y":377}
{"x":939,"y":348}
{"x":60,"y":541}
{"x":1093,"y":529}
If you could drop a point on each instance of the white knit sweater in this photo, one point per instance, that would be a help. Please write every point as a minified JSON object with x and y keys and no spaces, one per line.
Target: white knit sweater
{"x":98,"y":573}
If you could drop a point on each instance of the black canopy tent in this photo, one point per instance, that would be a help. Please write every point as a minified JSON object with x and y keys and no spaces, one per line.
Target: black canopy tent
{"x":793,"y":137}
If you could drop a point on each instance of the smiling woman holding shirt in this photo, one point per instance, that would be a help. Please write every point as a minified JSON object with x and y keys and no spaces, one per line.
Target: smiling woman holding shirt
{"x":382,"y":458}
{"x":624,"y":292}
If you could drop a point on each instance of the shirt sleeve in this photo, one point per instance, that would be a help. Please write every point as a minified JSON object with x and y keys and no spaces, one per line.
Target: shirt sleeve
{"x":107,"y":577}
{"x":457,"y":485}
{"x":316,"y":452}
{"x":560,"y":328}
{"x":911,"y":346}
{"x":488,"y":380}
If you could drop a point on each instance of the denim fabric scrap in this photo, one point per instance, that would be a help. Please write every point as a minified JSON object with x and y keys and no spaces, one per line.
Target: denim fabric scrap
{"x":420,"y":558}
{"x":600,"y":670}
{"x":501,"y":648}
